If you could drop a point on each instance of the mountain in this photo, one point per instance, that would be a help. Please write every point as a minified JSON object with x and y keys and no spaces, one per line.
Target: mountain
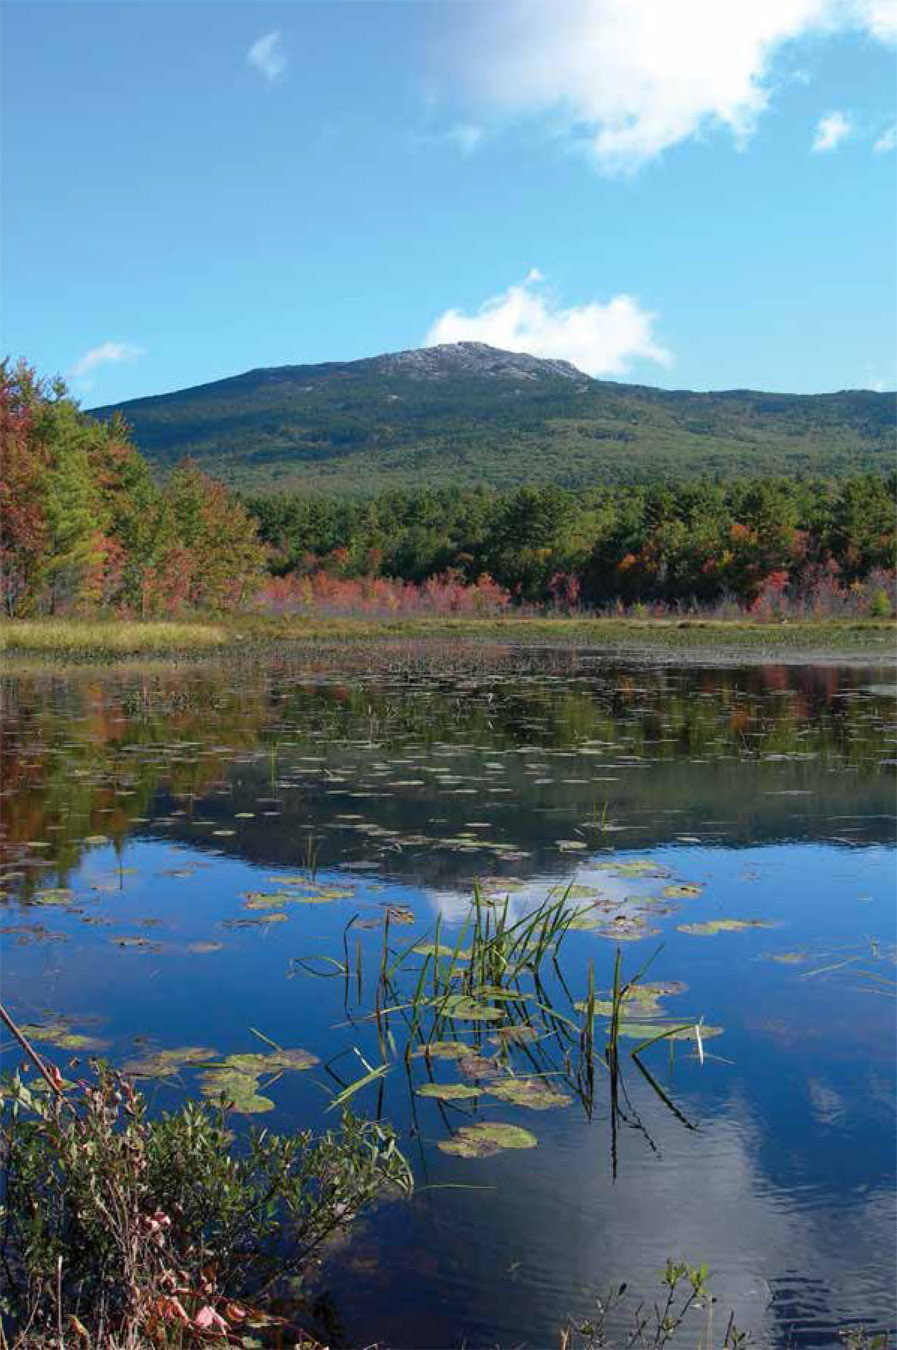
{"x":466,"y":413}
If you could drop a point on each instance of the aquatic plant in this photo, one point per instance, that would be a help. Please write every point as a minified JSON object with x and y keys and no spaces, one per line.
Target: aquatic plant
{"x":435,"y":1001}
{"x":685,"y":1294}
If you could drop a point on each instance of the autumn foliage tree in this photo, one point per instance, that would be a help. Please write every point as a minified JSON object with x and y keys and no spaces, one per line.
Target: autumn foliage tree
{"x":24,"y":418}
{"x":83,"y":527}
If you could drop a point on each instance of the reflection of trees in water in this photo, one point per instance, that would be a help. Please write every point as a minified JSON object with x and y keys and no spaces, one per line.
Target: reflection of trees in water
{"x":89,"y":754}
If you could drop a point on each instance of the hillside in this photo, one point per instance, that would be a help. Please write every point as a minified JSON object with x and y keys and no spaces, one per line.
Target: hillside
{"x":469,"y":414}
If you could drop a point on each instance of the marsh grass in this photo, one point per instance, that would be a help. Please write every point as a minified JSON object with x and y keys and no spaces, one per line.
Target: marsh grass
{"x":94,"y":639}
{"x":104,"y":639}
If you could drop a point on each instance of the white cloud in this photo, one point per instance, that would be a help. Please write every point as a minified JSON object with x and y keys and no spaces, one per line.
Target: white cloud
{"x":629,"y":79}
{"x":879,"y":17}
{"x":887,"y":140}
{"x":831,"y":130}
{"x":108,"y":353}
{"x":267,"y":55}
{"x":599,"y":339}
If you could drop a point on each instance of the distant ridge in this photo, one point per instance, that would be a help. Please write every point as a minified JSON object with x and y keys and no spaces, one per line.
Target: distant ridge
{"x":469,"y":414}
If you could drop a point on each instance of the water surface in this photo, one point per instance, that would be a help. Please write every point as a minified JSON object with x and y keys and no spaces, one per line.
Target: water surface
{"x":146,"y":811}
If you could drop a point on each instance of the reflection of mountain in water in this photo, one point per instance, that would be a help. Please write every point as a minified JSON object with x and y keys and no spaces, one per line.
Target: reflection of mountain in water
{"x":421,"y":834}
{"x":439,"y":775}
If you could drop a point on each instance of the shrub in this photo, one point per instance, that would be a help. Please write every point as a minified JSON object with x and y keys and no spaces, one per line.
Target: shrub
{"x":322,"y":592}
{"x":880,"y":606}
{"x":153,"y":1231}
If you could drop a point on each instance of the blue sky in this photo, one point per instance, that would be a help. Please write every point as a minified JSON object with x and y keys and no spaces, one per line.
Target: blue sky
{"x":674,"y":192}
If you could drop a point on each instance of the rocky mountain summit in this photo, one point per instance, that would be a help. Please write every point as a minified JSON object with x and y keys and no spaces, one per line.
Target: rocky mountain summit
{"x":474,"y":358}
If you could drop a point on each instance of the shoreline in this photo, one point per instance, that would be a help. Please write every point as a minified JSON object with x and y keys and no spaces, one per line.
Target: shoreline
{"x":30,"y":644}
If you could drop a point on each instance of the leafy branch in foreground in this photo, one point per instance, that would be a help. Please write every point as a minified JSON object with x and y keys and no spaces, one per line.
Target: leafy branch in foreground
{"x":121,"y":1228}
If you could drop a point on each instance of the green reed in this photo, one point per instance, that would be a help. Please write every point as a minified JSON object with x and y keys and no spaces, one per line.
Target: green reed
{"x":420,"y":990}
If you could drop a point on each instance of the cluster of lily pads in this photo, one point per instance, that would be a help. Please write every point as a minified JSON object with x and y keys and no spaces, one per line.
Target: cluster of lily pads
{"x":489,"y":978}
{"x":483,"y":1002}
{"x":234,"y":1079}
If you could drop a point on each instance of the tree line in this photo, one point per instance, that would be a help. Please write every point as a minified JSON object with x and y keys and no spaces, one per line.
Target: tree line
{"x":84,"y":527}
{"x":650,"y":544}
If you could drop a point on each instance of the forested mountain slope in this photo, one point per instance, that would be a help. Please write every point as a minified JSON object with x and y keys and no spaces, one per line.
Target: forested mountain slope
{"x":469,"y":414}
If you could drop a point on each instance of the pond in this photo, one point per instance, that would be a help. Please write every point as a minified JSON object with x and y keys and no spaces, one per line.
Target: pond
{"x":197,"y":857}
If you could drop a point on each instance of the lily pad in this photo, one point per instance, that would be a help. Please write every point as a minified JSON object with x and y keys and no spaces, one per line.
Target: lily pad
{"x":60,"y":1034}
{"x":443,"y":1050}
{"x":499,"y":993}
{"x":52,"y":895}
{"x":604,"y":1007}
{"x":713,"y":926}
{"x":518,"y":1034}
{"x":255,"y":1063}
{"x":681,"y":891}
{"x":438,"y":949}
{"x":447,"y":1092}
{"x":643,"y":1031}
{"x":532,"y":1092}
{"x":315,"y":889}
{"x":650,"y":990}
{"x":584,"y":920}
{"x":253,"y":923}
{"x":636,"y":867}
{"x":400,"y":914}
{"x":166,"y":1063}
{"x":238,"y":1088}
{"x":464,"y":1009}
{"x":626,"y":928}
{"x":33,"y":932}
{"x":479,"y":1066}
{"x":486,"y":1138}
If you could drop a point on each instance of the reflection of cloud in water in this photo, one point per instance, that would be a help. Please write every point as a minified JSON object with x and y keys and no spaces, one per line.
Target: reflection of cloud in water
{"x":797,"y":1254}
{"x":526,"y":896}
{"x":799,"y":1258}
